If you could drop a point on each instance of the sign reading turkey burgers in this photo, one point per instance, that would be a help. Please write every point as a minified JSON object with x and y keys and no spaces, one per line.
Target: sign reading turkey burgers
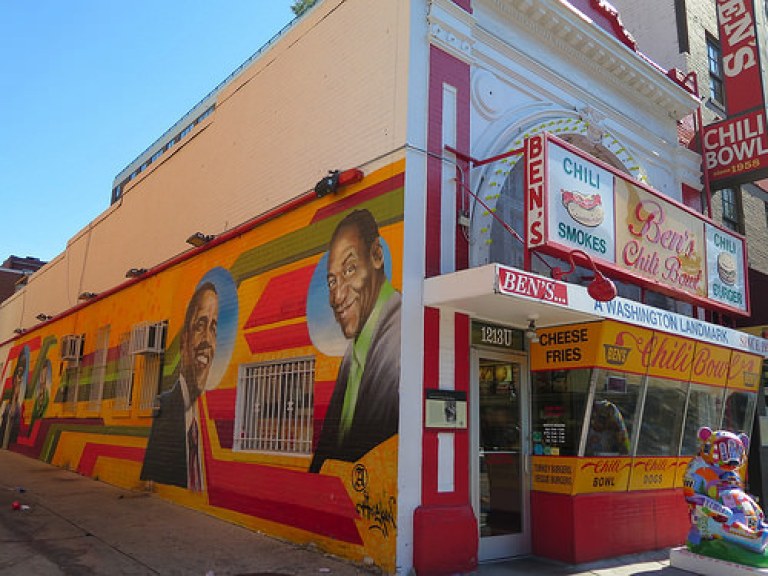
{"x":636,"y":234}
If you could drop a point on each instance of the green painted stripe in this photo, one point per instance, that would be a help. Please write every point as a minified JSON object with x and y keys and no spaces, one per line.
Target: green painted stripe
{"x":311,"y":240}
{"x":54,"y":433}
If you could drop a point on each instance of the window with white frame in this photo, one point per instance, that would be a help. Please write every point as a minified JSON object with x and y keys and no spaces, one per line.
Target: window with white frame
{"x":732,"y":213}
{"x":148,"y":370}
{"x":274,"y":407}
{"x":99,"y":374}
{"x":147,"y":348}
{"x":71,"y":348}
{"x":124,"y":383}
{"x":69,"y":383}
{"x":714,"y":58}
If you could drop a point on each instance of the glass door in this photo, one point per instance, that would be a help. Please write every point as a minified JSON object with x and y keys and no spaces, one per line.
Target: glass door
{"x":501,"y":462}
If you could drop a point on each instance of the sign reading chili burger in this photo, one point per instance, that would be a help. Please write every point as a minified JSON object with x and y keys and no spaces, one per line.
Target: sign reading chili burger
{"x":575,"y":202}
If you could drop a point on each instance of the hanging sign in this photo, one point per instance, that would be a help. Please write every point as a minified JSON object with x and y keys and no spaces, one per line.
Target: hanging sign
{"x":736,"y":149}
{"x":575,"y":202}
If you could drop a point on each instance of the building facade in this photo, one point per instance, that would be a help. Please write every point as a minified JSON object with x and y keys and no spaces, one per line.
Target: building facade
{"x":684,"y":34}
{"x":393,"y":359}
{"x":14,"y":273}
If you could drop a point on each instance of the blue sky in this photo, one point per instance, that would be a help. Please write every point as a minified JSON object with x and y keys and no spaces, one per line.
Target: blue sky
{"x":87,"y":85}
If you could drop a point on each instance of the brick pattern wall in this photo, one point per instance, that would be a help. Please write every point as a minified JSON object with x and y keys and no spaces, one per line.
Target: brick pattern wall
{"x":652,"y":22}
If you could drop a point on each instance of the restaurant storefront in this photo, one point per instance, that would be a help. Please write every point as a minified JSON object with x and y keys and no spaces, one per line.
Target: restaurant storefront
{"x":585,"y":397}
{"x":583,"y":428}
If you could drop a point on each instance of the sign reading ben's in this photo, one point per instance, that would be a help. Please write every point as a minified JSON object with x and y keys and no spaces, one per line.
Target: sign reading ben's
{"x":574,"y":201}
{"x":735,"y":149}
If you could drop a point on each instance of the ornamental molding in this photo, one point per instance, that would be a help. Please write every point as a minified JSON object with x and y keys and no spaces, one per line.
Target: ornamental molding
{"x":559,"y":25}
{"x":450,"y":28}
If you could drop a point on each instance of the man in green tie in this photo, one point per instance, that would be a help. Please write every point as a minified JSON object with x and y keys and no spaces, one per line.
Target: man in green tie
{"x":363,"y":411}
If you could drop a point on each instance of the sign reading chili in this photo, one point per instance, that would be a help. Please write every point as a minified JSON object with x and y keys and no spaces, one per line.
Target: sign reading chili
{"x":575,"y":202}
{"x":736,"y":149}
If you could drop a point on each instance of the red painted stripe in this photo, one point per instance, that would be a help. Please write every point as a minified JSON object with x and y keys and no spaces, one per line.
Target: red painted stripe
{"x":312,"y":502}
{"x":221,"y":403}
{"x":465,"y":4}
{"x":293,"y":336}
{"x":92,"y":452}
{"x":431,"y":380}
{"x":284,"y":298}
{"x":444,"y":69}
{"x":463,"y":450}
{"x":383,"y":187}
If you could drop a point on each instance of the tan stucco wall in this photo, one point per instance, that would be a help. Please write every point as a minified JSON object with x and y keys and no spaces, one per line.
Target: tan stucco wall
{"x":330,"y":93}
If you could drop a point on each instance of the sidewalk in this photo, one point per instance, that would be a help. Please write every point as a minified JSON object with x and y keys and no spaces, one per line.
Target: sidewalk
{"x":73,"y":525}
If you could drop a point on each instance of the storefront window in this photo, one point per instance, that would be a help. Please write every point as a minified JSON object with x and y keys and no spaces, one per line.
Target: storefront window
{"x":705,"y":404}
{"x":739,"y":411}
{"x":558,"y":406}
{"x":662,"y":420}
{"x":613,"y":413}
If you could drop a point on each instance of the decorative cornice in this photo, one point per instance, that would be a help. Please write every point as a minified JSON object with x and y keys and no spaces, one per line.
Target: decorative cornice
{"x":451,"y":41}
{"x":560,"y":25}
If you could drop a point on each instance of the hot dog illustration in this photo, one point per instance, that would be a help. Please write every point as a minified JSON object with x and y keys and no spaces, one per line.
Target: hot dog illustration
{"x":586,"y":209}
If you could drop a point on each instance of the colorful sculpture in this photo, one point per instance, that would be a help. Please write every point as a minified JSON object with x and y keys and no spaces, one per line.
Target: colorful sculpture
{"x":726,"y":522}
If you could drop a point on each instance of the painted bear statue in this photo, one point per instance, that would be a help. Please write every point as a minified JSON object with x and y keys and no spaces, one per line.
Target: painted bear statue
{"x":726,"y":522}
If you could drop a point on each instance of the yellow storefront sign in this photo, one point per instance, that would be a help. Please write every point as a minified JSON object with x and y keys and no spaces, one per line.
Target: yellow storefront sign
{"x":554,"y":474}
{"x":744,"y":371}
{"x":653,"y":473}
{"x":602,"y":475}
{"x":624,"y":347}
{"x":710,"y":364}
{"x":566,"y":347}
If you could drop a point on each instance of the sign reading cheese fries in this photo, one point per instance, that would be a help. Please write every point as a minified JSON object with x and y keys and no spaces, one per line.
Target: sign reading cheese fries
{"x":574,"y":202}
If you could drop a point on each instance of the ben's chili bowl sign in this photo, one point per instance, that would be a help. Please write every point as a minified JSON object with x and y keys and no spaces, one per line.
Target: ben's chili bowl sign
{"x":645,"y":237}
{"x":516,"y":282}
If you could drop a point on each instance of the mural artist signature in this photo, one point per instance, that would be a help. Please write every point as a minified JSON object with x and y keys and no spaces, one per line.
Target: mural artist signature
{"x":380,"y":515}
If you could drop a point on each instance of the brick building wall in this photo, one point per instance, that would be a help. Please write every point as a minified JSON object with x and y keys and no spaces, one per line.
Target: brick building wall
{"x":654,"y":24}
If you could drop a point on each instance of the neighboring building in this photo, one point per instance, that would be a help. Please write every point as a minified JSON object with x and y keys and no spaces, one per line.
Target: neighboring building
{"x":684,"y":34}
{"x":391,"y":361}
{"x":14,"y":273}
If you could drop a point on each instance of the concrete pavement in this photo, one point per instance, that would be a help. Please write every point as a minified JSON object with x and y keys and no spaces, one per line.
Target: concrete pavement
{"x":73,"y":525}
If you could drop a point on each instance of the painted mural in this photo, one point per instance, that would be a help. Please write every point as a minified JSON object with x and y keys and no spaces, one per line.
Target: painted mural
{"x":258,"y":379}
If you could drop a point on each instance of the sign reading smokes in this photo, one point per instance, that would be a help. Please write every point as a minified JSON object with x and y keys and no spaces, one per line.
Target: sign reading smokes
{"x":573,"y":202}
{"x":736,"y":149}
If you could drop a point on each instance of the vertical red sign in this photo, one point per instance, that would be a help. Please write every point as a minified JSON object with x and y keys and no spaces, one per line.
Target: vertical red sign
{"x":741,"y":61}
{"x":534,"y":191}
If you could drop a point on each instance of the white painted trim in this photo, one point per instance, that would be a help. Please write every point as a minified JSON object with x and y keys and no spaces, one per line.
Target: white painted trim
{"x":446,"y":462}
{"x":448,"y":215}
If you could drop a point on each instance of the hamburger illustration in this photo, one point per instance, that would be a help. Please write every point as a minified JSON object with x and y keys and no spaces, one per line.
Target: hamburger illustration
{"x":726,"y":268}
{"x":586,"y":209}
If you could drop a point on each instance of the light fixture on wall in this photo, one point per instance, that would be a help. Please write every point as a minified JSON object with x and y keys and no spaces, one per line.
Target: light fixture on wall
{"x":531,"y":333}
{"x":87,"y":296}
{"x":43,"y":317}
{"x":135,"y":272}
{"x":335,"y":180}
{"x":601,"y":288}
{"x":199,"y":239}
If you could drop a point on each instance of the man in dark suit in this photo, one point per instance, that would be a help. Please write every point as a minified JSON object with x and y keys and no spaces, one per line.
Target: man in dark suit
{"x":364,"y":407}
{"x":174,"y":454}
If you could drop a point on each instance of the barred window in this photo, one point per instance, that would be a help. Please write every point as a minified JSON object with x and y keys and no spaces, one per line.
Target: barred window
{"x":148,"y":368}
{"x":99,"y":369}
{"x":124,"y":384}
{"x":274,"y":407}
{"x":69,"y":383}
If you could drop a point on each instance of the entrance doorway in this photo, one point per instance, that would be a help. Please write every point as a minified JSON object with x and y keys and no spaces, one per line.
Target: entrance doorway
{"x":500,"y":463}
